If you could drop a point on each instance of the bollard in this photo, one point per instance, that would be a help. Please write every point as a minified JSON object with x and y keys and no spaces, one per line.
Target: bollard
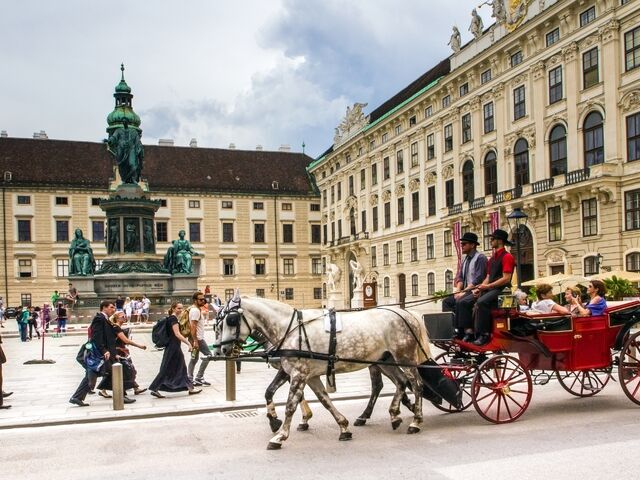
{"x":118,"y":386}
{"x":230,"y":377}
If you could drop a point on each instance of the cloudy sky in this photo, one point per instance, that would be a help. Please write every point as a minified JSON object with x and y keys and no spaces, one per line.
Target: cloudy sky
{"x":251,"y":72}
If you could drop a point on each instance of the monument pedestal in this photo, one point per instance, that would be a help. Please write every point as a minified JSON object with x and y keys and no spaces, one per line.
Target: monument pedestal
{"x":357,"y":300}
{"x":335,"y":300}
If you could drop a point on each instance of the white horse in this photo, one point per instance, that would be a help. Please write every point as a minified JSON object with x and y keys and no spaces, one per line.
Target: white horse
{"x":365,"y":336}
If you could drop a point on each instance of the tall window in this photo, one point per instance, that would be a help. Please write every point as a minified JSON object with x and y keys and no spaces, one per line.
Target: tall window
{"x":431,"y":283}
{"x":516,"y":58}
{"x":363,"y":179}
{"x":587,"y":16}
{"x":632,"y":210}
{"x":428,"y":111}
{"x":62,"y":267}
{"x":593,"y":133}
{"x":316,"y":266}
{"x":386,"y":172}
{"x":374,"y":218}
{"x":399,"y":252}
{"x":446,"y":101}
{"x":632,"y":49}
{"x":24,"y":267}
{"x":97,"y":230}
{"x":590,"y":68}
{"x":552,"y":37}
{"x":431,"y":148}
{"x":287,"y":232}
{"x":448,"y":193}
{"x":490,"y":173}
{"x":228,"y":267}
{"x":448,"y":138}
{"x":414,"y":154}
{"x":287,"y":266}
{"x":464,"y":89}
{"x":194,"y":231}
{"x":315,"y":233}
{"x":447,"y":243}
{"x":227,"y":232}
{"x":258,"y":232}
{"x":558,"y":150}
{"x":374,"y":256}
{"x":487,"y":111}
{"x":374,"y":174}
{"x":386,"y":290}
{"x":430,"y":247}
{"x":521,"y":161}
{"x":338,"y":189}
{"x":414,"y":249}
{"x":466,"y":128}
{"x":486,"y":236}
{"x":519,"y":108}
{"x":415,"y":206}
{"x":555,"y":85}
{"x":399,"y":162}
{"x":554,"y":215}
{"x":62,"y":230}
{"x":387,"y":215}
{"x":431,"y":200}
{"x":448,"y":281}
{"x":401,"y":211}
{"x":260,"y":266}
{"x":414,"y":285}
{"x":162,"y":231}
{"x":589,"y":217}
{"x":633,"y":262}
{"x":385,"y":254}
{"x":633,"y":137}
{"x":468,"y":193}
{"x":351,"y":185}
{"x":288,"y":293}
{"x":591,"y":266}
{"x":485,"y":76}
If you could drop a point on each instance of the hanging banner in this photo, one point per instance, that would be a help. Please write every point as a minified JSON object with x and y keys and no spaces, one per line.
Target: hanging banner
{"x":495,"y":220}
{"x":456,"y":241}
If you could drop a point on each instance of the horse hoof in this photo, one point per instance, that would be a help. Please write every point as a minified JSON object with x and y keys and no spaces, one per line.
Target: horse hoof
{"x":360,"y":422}
{"x":275,"y":424}
{"x":396,"y":423}
{"x":303,"y":427}
{"x":344,"y":436}
{"x":411,"y":430}
{"x":274,"y":446}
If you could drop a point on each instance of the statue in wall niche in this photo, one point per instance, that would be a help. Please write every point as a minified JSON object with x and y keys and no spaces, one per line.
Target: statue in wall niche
{"x":179,"y":256}
{"x":128,"y":151}
{"x":81,"y":259}
{"x":455,"y":40}
{"x":333,"y":277}
{"x":147,"y":236}
{"x":131,"y":236}
{"x":358,"y":274}
{"x":477,"y":26}
{"x":113,"y":239}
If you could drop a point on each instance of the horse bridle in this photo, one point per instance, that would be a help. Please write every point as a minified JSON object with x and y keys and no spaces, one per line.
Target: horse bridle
{"x":233,"y":317}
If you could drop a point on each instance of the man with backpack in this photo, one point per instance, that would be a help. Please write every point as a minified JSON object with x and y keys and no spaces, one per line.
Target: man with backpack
{"x":195,"y":319}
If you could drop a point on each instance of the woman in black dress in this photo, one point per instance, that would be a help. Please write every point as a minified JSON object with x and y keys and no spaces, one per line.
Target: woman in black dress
{"x":172,"y":376}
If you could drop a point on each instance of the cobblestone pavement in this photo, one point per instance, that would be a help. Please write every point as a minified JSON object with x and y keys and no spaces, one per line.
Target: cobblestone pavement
{"x":41,"y":392}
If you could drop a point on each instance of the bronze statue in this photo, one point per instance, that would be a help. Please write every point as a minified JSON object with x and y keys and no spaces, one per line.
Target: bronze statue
{"x":131,"y":236}
{"x":147,"y":236}
{"x":114,"y":236}
{"x":81,"y":260}
{"x":125,"y":145}
{"x":179,"y":257}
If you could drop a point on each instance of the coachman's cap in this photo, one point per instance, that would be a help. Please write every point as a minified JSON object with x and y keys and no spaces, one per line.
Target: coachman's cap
{"x":470,"y":238}
{"x":499,"y":234}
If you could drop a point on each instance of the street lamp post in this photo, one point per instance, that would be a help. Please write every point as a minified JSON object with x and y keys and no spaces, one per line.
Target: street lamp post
{"x":517,"y":219}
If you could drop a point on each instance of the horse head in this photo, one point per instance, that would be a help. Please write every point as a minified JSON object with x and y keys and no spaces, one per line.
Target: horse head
{"x":235,"y":328}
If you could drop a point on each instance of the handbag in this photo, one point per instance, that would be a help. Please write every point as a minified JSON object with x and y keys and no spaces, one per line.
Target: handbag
{"x":93,"y":359}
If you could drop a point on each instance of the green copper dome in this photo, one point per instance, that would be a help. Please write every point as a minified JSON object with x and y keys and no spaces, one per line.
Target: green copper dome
{"x":123,"y":111}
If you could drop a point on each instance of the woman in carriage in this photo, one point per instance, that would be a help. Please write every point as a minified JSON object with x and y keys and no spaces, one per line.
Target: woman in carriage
{"x":597,"y":304}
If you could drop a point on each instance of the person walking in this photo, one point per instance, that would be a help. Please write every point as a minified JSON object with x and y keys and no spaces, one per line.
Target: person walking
{"x":146,"y":306}
{"x":172,"y":376}
{"x":196,"y":320}
{"x":23,"y":323}
{"x":3,"y":395}
{"x":46,"y":316}
{"x":61,"y":313}
{"x":127,"y":307}
{"x":102,"y":336}
{"x":1,"y":313}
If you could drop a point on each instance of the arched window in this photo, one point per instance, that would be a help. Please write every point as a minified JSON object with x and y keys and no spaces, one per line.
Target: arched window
{"x":591,"y":266}
{"x":521,"y":161}
{"x":448,"y":281}
{"x":352,"y":221}
{"x":593,"y":139}
{"x":490,"y":173}
{"x":431,"y":283}
{"x":558,"y":150}
{"x":467,"y":182}
{"x":633,"y":262}
{"x":414,"y":284}
{"x":385,"y":287}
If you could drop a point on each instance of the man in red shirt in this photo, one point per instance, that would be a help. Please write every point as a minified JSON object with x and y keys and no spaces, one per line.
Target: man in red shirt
{"x":499,"y":272}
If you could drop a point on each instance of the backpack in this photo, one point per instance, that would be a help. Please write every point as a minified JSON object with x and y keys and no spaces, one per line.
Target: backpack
{"x":185,"y":323}
{"x":160,"y":333}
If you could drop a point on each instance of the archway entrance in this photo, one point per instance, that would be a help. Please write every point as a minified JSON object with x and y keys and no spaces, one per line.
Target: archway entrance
{"x":526,"y":254}
{"x":402,"y":289}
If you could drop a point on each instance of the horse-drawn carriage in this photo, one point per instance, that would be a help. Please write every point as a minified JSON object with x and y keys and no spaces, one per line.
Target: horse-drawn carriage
{"x":497,"y":378}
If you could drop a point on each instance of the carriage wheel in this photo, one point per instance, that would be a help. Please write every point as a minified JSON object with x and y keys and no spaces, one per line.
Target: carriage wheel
{"x":464,"y":377}
{"x":584,"y":383}
{"x":629,"y":368}
{"x":501,"y":389}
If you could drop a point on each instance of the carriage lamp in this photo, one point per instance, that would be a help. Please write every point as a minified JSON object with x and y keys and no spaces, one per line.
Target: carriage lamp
{"x":518,"y":219}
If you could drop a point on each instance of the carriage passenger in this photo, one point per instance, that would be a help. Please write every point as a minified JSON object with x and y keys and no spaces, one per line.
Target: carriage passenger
{"x":472,"y":270}
{"x":522,"y":300}
{"x":597,"y":305}
{"x":500,"y":269}
{"x":545,"y":302}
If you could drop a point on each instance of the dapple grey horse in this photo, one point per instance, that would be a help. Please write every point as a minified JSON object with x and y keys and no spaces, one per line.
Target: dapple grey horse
{"x":366,"y":336}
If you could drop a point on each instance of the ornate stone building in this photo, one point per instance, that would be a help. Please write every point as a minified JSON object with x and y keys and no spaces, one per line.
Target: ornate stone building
{"x":539,"y":111}
{"x":252,"y":216}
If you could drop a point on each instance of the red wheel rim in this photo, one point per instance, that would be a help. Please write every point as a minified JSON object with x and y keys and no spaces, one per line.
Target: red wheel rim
{"x":629,"y":368}
{"x":462,"y":375}
{"x":501,"y":389}
{"x":584,"y":383}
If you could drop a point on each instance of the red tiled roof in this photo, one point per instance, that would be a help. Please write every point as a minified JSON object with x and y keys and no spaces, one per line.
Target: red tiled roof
{"x":89,"y":165}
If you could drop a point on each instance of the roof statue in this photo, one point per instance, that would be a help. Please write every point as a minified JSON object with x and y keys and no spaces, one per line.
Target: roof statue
{"x":455,"y":40}
{"x":351,"y":124}
{"x":509,"y":12}
{"x":476,"y":28}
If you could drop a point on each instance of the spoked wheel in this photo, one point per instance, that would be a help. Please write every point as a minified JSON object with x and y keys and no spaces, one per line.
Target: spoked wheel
{"x":629,"y":368}
{"x":584,"y":383}
{"x":463,"y":376}
{"x":501,"y":389}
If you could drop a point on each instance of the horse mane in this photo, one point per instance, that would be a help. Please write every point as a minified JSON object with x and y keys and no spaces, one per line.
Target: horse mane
{"x":273,"y":303}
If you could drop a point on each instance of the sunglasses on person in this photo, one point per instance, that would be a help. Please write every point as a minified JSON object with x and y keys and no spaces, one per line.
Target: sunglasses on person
{"x":201,"y":299}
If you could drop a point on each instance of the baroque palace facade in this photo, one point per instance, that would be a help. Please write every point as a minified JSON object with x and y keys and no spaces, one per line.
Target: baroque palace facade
{"x":541,"y":111}
{"x":253,"y":217}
